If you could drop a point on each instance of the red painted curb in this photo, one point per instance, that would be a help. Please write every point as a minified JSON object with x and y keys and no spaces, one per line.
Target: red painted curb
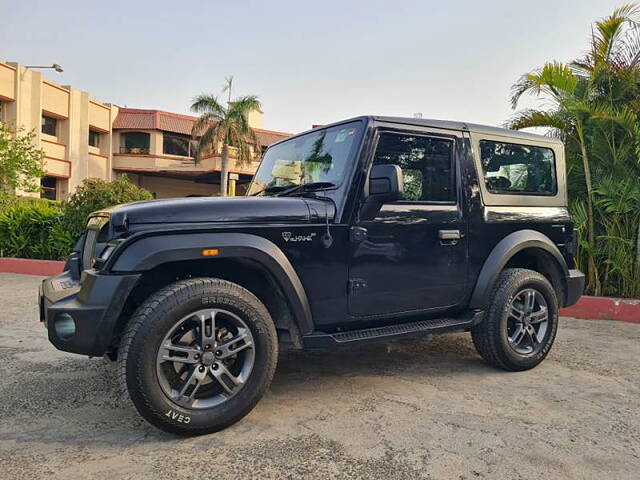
{"x":588,"y":308}
{"x":604,"y":308}
{"x":28,"y":266}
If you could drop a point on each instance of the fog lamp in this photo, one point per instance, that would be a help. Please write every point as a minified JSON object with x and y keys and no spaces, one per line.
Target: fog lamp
{"x":64,"y":326}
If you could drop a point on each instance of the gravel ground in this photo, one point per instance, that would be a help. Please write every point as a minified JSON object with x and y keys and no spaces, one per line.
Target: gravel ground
{"x":410,"y":409}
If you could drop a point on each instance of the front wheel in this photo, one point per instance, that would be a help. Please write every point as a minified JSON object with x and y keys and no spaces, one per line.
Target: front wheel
{"x":198,"y":355}
{"x":520,"y":323}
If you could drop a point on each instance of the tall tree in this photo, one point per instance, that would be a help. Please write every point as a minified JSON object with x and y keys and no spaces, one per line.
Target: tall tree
{"x":220,"y":127}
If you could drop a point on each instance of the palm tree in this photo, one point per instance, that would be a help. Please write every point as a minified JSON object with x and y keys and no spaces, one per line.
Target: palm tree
{"x":568,"y":117}
{"x":614,"y":45}
{"x":220,"y":127}
{"x":595,"y":109}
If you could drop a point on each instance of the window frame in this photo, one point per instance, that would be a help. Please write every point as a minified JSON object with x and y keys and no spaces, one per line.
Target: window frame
{"x":444,"y":135}
{"x":180,"y":136}
{"x":127,"y":150}
{"x":45,"y":189}
{"x":554,"y":174}
{"x":559,"y":199}
{"x":97,"y":134}
{"x":55,"y":127}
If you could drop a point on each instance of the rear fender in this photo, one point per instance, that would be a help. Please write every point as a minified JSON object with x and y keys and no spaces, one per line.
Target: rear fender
{"x":500,"y":256}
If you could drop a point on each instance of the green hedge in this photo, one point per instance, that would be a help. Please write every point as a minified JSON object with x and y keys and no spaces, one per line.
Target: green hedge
{"x":39,"y":228}
{"x":26,"y":229}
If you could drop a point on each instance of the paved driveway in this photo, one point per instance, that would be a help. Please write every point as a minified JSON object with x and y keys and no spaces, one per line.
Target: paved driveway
{"x":409,"y":409}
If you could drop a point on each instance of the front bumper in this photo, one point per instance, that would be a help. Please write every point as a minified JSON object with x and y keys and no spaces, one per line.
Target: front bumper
{"x":575,"y":287}
{"x":94,"y":303}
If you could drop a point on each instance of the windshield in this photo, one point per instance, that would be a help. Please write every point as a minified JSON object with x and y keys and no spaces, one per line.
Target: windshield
{"x":318,"y":156}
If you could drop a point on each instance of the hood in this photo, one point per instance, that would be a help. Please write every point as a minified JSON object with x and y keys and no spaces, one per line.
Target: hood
{"x":220,"y":209}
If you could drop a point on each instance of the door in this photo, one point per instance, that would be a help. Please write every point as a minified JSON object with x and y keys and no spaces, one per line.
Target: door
{"x":413,"y":255}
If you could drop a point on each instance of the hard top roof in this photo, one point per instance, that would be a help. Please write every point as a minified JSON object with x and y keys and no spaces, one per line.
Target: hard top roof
{"x":451,"y":125}
{"x":471,"y":127}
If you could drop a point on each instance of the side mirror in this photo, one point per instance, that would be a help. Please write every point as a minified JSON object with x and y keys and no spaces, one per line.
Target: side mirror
{"x":385,"y":185}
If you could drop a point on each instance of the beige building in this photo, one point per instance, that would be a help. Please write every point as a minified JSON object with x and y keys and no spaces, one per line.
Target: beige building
{"x":84,"y":138}
{"x":155,"y":149}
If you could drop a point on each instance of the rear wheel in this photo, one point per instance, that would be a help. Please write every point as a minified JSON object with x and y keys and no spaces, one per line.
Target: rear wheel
{"x":198,"y":355}
{"x":521,"y":322}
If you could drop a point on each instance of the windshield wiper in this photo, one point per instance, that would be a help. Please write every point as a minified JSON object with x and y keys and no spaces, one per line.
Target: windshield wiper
{"x":280,"y":190}
{"x":271,"y":189}
{"x":306,"y":187}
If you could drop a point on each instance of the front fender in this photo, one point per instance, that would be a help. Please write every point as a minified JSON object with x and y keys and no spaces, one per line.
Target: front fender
{"x":502,"y":253}
{"x":146,"y":251}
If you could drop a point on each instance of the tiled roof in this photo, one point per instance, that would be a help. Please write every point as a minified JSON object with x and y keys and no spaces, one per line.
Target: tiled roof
{"x":267,"y":137}
{"x":174,"y":123}
{"x":133,"y":118}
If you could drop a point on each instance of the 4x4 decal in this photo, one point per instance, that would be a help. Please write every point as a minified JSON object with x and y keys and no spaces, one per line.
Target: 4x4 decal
{"x":288,"y":237}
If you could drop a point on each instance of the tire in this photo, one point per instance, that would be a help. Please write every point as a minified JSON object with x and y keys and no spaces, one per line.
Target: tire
{"x":171,"y":394}
{"x":505,"y":338}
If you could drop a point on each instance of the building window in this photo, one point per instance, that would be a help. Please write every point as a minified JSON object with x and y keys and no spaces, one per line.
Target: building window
{"x":49,"y":187}
{"x":50,"y":126}
{"x":135,"y":143}
{"x":515,"y":169}
{"x":176,"y":144}
{"x":94,"y":138}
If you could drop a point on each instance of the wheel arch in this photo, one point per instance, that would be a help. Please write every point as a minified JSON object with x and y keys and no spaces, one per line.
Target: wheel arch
{"x":253,"y":262}
{"x":522,"y":249}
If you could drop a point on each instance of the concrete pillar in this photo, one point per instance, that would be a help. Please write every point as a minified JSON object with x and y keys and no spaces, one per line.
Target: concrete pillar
{"x":26,"y":110}
{"x":75,"y":134}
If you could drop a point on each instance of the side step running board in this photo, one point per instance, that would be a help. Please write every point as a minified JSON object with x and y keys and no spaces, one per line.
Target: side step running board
{"x":319,"y":340}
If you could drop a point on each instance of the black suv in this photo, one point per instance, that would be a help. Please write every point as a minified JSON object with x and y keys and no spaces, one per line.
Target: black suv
{"x":368,"y":229}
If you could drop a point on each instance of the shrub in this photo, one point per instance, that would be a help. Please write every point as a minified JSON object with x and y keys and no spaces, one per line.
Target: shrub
{"x":39,"y":228}
{"x":25,"y":228}
{"x":95,"y":194}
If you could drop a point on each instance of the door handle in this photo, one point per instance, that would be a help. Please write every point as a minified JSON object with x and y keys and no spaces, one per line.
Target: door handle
{"x":449,"y":237}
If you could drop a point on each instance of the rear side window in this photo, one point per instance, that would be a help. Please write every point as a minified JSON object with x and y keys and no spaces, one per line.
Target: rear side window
{"x":514,"y":169}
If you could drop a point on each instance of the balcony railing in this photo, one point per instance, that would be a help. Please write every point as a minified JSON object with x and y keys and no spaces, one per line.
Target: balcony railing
{"x":134,"y":150}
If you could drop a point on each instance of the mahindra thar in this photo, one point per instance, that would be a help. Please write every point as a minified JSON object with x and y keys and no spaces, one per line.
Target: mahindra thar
{"x":373,"y":228}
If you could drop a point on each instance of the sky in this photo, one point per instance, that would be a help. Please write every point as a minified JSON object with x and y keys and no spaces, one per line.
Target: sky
{"x":308,"y":62}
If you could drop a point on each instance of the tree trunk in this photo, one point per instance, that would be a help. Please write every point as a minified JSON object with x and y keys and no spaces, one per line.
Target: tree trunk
{"x":593,"y":277}
{"x":224,"y":170}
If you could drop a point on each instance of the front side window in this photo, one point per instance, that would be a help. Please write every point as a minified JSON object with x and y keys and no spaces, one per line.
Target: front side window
{"x":515,"y":169}
{"x":94,"y":138}
{"x":49,"y":126}
{"x":318,"y":156}
{"x":426,"y":163}
{"x":134,"y":142}
{"x":174,"y":144}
